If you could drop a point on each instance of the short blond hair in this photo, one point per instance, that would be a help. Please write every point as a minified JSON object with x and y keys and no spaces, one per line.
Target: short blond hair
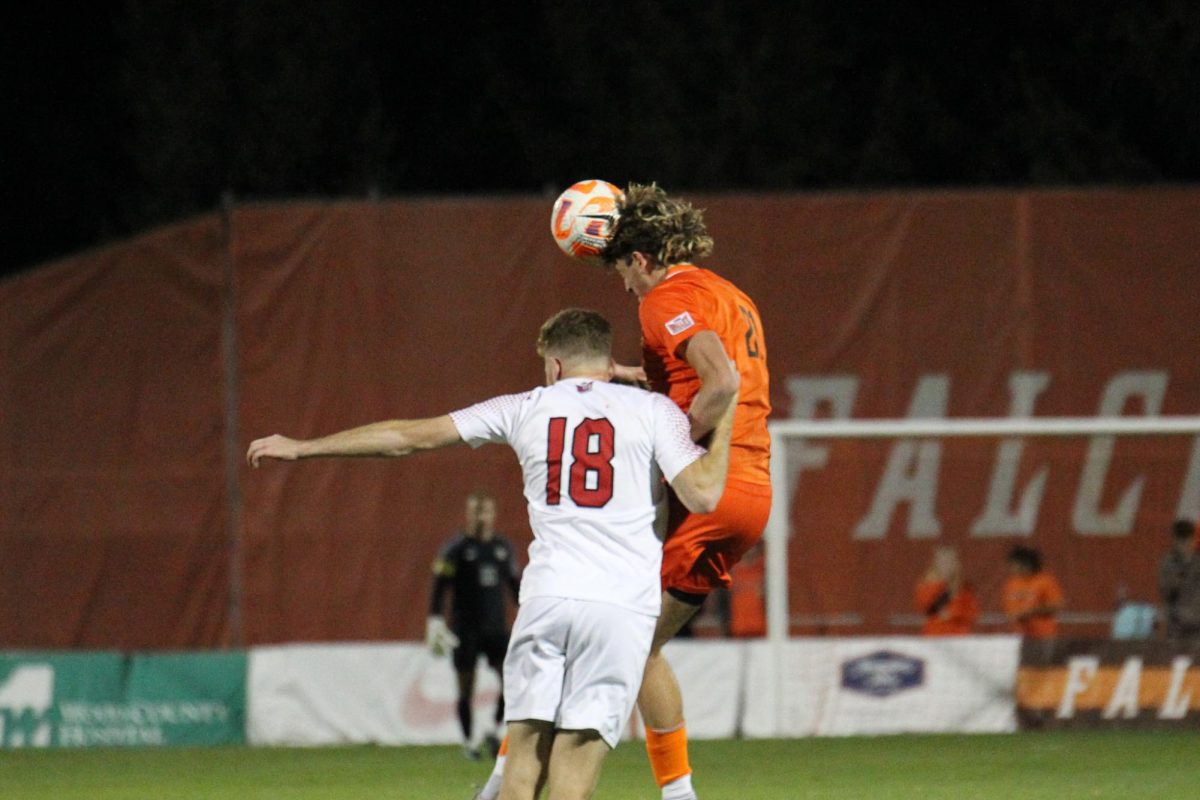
{"x":576,"y":334}
{"x":668,"y":230}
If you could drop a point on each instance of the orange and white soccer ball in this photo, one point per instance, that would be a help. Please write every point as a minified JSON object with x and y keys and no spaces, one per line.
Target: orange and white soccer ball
{"x":584,"y":217}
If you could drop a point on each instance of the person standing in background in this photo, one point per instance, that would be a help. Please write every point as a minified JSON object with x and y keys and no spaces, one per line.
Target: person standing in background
{"x":1032,"y":596}
{"x":945,"y":598}
{"x":475,"y":568}
{"x":1179,"y":582}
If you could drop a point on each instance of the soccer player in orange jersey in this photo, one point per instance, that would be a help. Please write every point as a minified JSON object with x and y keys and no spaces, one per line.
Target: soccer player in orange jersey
{"x":693,"y":323}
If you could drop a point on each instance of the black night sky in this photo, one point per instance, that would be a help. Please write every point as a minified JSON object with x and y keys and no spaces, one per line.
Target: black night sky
{"x":126,"y":114}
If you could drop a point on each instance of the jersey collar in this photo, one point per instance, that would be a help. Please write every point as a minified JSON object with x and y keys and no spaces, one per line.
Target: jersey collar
{"x":679,"y":269}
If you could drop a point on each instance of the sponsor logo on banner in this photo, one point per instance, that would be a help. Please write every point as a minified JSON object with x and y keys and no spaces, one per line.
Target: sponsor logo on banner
{"x":882,"y":673}
{"x":113,"y":700}
{"x":1081,"y":684}
{"x":26,"y":703}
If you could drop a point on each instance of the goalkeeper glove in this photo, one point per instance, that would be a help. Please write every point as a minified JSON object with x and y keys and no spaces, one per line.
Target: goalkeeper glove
{"x":438,"y":636}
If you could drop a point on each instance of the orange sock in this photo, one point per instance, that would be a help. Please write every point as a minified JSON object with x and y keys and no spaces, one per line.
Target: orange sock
{"x":503,"y":751}
{"x":668,"y":754}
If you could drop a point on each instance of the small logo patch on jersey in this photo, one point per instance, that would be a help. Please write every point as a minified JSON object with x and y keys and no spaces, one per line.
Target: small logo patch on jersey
{"x":680,"y":323}
{"x":586,"y":386}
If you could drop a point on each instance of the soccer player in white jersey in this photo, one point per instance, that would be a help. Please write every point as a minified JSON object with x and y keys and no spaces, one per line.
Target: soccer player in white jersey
{"x":590,"y":452}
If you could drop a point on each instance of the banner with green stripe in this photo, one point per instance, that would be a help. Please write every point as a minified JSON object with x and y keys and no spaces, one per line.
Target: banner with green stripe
{"x":110,"y":699}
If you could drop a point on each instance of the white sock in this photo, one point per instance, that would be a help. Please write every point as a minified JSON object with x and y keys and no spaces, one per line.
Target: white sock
{"x":491,"y":789}
{"x":679,"y":789}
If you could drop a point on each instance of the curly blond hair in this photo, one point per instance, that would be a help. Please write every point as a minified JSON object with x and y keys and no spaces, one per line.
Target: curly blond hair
{"x":669,"y":231}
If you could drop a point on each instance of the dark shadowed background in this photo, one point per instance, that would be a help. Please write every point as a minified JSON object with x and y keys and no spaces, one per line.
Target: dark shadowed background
{"x":124,"y":115}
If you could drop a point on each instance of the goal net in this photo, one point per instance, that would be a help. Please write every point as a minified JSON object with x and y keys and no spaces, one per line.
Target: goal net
{"x":860,"y":506}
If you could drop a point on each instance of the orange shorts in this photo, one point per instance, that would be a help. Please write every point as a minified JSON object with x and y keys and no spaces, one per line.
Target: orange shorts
{"x":701,"y":548}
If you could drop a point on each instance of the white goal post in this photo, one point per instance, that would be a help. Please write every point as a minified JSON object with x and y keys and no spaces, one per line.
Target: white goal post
{"x":777,"y":531}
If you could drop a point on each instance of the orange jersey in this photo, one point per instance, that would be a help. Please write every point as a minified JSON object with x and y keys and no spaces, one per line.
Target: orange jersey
{"x":946,"y":616}
{"x":691,"y":300}
{"x":1025,"y":593}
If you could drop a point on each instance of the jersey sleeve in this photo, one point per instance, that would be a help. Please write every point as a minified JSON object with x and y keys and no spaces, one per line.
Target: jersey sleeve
{"x":514,"y":570}
{"x":671,"y":315}
{"x":931,"y":596}
{"x":446,"y":563}
{"x":444,"y":567}
{"x":491,"y":421}
{"x":1050,"y":590}
{"x":966,"y":605}
{"x":673,"y":446}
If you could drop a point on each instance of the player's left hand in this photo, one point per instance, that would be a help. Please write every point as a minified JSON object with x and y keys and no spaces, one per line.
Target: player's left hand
{"x":439,"y":637}
{"x":276,"y":446}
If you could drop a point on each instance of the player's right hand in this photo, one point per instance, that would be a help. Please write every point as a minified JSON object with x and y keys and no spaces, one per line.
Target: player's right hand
{"x":439,"y":637}
{"x":275,"y":446}
{"x":630,"y":374}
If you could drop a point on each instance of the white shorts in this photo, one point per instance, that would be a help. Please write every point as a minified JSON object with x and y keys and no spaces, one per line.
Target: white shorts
{"x":577,"y":664}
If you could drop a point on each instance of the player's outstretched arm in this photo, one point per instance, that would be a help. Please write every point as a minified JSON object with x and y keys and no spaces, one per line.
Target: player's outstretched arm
{"x":700,"y":484}
{"x":719,"y":381}
{"x":390,"y":439}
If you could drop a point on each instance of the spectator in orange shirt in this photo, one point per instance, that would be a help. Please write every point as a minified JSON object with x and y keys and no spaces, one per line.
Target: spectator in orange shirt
{"x":945,"y":598}
{"x":1032,"y":596}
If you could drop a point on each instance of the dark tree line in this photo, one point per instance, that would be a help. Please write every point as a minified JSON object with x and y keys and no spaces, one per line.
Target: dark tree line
{"x":129,"y":114}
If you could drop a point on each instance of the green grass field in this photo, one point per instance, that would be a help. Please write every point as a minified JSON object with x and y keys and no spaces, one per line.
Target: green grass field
{"x":1053,"y":766}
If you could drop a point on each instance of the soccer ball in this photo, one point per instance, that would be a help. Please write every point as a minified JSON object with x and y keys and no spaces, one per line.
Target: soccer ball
{"x":583,"y":218}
